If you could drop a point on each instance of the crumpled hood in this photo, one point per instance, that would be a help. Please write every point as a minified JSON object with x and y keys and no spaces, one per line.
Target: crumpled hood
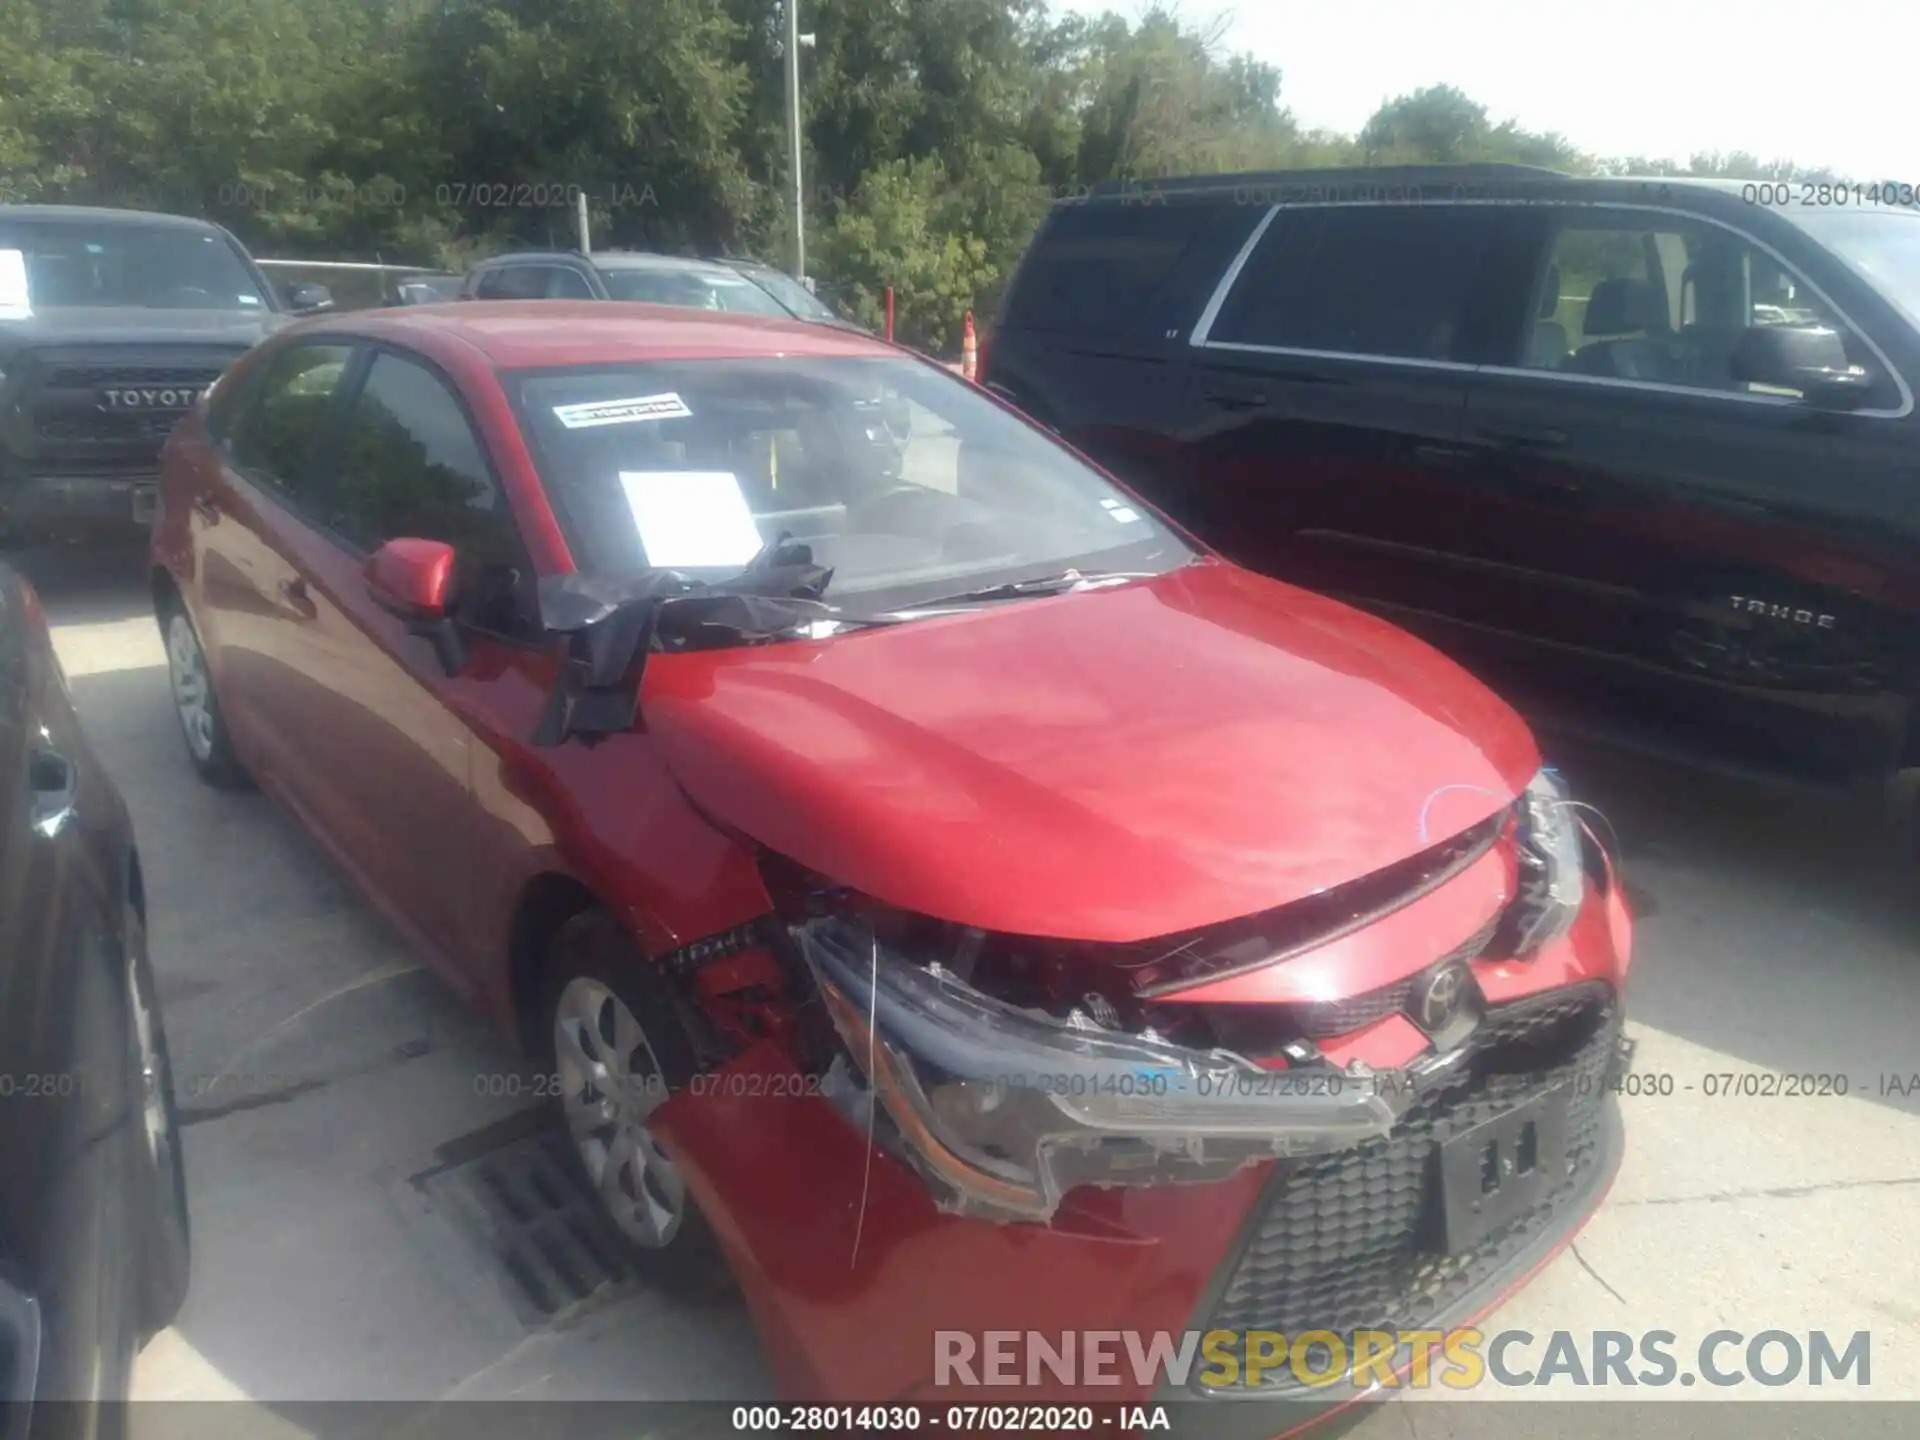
{"x":1111,"y":765}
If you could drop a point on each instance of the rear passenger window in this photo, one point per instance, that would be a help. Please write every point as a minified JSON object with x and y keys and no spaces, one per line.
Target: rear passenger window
{"x":1361,"y":280}
{"x":277,"y":428}
{"x":1096,"y":269}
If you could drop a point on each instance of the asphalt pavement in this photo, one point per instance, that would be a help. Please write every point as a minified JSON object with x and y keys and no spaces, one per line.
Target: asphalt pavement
{"x":323,"y":1073}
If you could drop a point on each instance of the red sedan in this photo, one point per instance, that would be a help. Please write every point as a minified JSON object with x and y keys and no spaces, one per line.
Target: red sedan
{"x":944,"y":894}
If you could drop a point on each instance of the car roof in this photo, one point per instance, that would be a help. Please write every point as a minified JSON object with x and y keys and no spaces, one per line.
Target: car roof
{"x":100,"y":215}
{"x":1384,"y":179}
{"x":530,"y":334}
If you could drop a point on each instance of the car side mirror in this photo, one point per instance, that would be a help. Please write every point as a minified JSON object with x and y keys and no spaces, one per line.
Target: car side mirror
{"x":305,"y":298}
{"x":1811,"y":359}
{"x":413,"y":579}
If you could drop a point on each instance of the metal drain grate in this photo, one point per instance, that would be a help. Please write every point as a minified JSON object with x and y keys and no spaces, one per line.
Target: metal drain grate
{"x":521,"y":1203}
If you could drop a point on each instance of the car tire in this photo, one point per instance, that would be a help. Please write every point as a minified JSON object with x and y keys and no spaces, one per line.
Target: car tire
{"x":195,"y":705}
{"x":160,"y":1182}
{"x":611,"y":1034}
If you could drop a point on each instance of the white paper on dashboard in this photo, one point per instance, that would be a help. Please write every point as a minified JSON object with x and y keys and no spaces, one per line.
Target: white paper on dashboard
{"x":690,"y":518}
{"x":13,"y":285}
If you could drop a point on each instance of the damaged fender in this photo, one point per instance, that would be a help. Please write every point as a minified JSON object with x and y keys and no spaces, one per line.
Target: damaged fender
{"x":1003,"y":1110}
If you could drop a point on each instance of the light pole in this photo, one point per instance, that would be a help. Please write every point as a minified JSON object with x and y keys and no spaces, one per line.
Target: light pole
{"x":793,"y":140}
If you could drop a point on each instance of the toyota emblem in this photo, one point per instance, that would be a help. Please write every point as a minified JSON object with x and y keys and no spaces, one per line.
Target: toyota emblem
{"x":1439,"y":1000}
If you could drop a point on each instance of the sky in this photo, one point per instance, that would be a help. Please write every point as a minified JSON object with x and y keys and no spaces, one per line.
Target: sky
{"x":1820,"y":84}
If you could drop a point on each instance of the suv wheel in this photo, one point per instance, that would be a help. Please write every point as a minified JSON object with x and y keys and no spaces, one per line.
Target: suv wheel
{"x":194,"y":702}
{"x":610,"y":1037}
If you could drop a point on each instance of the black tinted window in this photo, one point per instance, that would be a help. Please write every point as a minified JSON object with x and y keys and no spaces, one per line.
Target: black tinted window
{"x":411,"y":465}
{"x":564,"y":284}
{"x":514,"y":282}
{"x":1095,"y":268}
{"x":1362,"y":280}
{"x":279,"y":423}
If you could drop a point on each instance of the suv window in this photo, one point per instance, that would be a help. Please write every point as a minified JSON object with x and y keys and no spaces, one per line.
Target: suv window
{"x":410,"y":465}
{"x":1629,"y":296}
{"x":513,"y":282}
{"x":564,"y":283}
{"x":1095,"y":268}
{"x":1361,"y":280}
{"x":277,"y":428}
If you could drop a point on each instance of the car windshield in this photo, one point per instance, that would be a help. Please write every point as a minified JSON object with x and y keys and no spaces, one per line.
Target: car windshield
{"x":791,"y":293}
{"x":158,"y":267}
{"x":910,"y":484}
{"x":697,"y":289}
{"x":1883,"y":245}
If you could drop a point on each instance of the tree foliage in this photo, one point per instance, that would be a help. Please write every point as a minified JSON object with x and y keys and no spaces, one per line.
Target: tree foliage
{"x":430,"y":131}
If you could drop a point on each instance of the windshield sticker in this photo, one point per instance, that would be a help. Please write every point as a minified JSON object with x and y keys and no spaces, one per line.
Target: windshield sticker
{"x":622,"y":412}
{"x":691,"y":518}
{"x":13,"y":285}
{"x":1125,"y":514}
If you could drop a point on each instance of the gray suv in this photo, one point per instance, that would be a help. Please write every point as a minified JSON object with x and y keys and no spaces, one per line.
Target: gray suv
{"x":742,"y":286}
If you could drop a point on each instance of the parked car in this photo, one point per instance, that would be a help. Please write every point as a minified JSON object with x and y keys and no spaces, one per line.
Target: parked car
{"x":848,"y":845}
{"x":1637,"y":452}
{"x":112,"y":322}
{"x":426,"y":290}
{"x":741,"y":287}
{"x":93,"y":1204}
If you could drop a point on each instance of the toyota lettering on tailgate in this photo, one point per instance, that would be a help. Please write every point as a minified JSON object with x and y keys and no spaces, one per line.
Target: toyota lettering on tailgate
{"x":175,"y":397}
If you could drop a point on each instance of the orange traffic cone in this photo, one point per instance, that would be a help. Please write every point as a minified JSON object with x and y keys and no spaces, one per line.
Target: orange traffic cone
{"x":970,"y":351}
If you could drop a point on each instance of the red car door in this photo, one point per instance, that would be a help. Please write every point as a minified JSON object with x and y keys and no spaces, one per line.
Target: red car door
{"x":252,"y":486}
{"x":388,"y":735}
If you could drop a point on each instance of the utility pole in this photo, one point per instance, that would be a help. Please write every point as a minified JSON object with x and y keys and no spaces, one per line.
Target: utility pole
{"x":793,"y":141}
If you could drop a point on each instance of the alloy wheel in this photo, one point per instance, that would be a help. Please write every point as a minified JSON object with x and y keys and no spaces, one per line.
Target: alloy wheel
{"x":192,"y":695}
{"x":610,"y":1082}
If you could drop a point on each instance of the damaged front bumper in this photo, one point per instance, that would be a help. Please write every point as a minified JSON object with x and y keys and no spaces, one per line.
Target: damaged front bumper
{"x":1003,"y":1110}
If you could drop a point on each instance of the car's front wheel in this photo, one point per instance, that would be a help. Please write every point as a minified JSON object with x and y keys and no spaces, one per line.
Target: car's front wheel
{"x":194,"y":702}
{"x":617,"y":1051}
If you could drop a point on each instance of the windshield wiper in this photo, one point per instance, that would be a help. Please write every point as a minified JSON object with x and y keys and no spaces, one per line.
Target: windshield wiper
{"x":1059,"y":584}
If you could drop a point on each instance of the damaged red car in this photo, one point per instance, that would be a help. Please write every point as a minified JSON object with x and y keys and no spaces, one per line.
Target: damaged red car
{"x":947,"y":896}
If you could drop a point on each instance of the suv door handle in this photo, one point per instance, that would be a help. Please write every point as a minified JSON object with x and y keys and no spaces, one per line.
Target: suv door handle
{"x":1228,"y":396}
{"x":55,"y":782}
{"x":1542,"y":437}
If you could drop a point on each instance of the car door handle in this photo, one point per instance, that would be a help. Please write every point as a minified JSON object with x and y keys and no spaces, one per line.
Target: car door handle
{"x":55,"y":782}
{"x":1543,"y":437}
{"x":294,"y":592}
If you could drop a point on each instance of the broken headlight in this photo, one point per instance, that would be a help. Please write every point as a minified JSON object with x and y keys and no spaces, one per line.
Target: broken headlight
{"x":1004,"y":1109}
{"x":1552,"y":866}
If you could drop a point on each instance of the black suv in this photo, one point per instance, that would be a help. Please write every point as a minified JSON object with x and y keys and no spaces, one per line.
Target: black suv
{"x":1643,"y":453}
{"x":112,"y":324}
{"x":743,"y":286}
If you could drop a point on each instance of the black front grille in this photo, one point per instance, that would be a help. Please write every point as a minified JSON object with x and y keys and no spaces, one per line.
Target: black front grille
{"x":109,"y":376}
{"x":1326,"y":1018}
{"x":1348,"y":1242}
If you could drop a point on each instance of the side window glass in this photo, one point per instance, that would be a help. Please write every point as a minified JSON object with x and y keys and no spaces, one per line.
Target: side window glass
{"x":410,"y":465}
{"x":1670,"y":304}
{"x":563,"y":284}
{"x":514,"y":282}
{"x":278,"y":426}
{"x":1362,"y":280}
